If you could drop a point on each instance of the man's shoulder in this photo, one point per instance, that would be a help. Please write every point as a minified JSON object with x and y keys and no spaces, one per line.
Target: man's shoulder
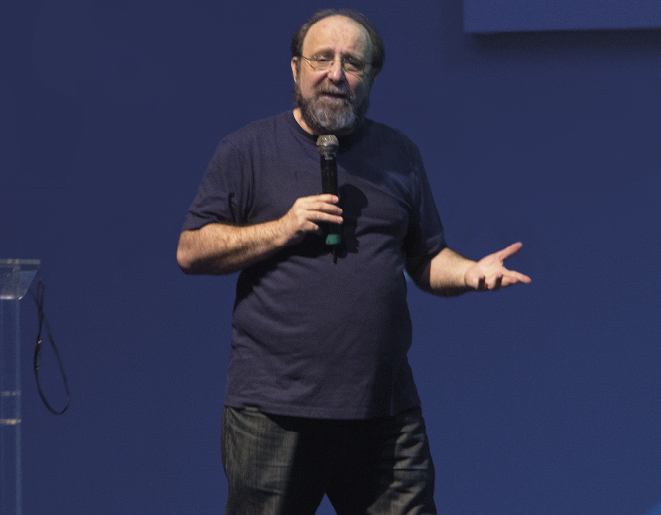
{"x":386,"y":137}
{"x":381,"y":130}
{"x":260,"y":128}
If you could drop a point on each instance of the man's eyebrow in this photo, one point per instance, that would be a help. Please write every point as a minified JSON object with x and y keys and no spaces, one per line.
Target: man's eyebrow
{"x":327,"y":52}
{"x":324,"y":52}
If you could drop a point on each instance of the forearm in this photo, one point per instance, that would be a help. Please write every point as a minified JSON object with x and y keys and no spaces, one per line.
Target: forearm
{"x":445,"y":274}
{"x":223,"y":249}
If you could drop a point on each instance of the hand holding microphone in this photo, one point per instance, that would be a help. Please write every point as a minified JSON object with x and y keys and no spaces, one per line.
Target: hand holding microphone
{"x":314,"y":213}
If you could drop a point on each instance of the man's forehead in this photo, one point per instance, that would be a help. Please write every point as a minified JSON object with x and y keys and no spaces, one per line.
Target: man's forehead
{"x":337,"y":31}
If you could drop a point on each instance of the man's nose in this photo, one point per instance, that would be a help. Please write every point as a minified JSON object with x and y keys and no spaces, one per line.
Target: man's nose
{"x":336,"y":71}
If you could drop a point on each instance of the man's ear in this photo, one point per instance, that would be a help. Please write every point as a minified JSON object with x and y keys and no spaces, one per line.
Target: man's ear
{"x":294,"y":68}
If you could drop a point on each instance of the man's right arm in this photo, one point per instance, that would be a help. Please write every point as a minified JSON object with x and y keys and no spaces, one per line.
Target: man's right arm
{"x":223,"y":249}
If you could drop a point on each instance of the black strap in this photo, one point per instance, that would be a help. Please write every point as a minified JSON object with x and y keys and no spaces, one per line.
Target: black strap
{"x":39,"y":300}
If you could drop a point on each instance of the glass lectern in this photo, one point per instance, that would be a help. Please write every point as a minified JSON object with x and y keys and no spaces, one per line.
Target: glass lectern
{"x":15,"y":278}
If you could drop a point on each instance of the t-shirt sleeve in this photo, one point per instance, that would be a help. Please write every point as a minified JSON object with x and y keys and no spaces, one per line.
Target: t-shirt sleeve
{"x":223,"y":194}
{"x":425,"y":237}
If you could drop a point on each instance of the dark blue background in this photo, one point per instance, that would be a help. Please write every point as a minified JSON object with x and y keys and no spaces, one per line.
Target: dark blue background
{"x":539,"y":399}
{"x":527,"y":15}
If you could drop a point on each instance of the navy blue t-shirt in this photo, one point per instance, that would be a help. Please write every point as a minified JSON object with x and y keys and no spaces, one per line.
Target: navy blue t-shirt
{"x":313,"y":337}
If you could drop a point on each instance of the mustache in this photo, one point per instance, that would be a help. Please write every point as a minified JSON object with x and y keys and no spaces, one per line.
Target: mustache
{"x":332,"y":90}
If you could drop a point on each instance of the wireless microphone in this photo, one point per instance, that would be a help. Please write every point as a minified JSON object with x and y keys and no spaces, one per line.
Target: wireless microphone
{"x":327,"y":146}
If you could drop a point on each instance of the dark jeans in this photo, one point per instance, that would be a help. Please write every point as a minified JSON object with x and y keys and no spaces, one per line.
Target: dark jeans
{"x":284,"y":465}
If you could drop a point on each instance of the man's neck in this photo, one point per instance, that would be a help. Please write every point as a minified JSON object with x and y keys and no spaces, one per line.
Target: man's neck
{"x":299,"y":119}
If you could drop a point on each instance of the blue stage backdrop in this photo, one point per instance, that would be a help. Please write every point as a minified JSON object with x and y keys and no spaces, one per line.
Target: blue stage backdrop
{"x":539,"y":399}
{"x":532,"y":15}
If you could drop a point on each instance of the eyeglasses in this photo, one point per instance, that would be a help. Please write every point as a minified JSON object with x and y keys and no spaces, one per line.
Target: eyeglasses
{"x":348,"y":64}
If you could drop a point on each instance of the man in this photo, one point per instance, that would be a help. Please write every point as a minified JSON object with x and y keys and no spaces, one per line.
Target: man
{"x":320,"y":398}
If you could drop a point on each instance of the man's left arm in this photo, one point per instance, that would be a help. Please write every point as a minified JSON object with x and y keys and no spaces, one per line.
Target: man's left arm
{"x":449,"y":273}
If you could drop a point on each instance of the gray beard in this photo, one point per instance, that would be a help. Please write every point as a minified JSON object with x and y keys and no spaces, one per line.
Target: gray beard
{"x":325,"y":118}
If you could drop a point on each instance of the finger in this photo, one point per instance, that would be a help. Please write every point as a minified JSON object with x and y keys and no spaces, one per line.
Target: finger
{"x":315,"y":229}
{"x":324,"y":207}
{"x":509,"y":251}
{"x":324,"y":197}
{"x":319,"y":212}
{"x":327,"y":217}
{"x":496,"y":283}
{"x":518,"y":277}
{"x":512,"y":277}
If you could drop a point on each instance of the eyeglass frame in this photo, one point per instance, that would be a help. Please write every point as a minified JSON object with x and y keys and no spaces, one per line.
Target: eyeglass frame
{"x":343,"y":62}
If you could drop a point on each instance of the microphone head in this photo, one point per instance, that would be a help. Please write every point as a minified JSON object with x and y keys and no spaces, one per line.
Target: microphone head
{"x":327,"y":145}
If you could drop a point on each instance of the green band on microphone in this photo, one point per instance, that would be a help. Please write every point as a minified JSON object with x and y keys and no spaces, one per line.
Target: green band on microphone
{"x":333,"y":239}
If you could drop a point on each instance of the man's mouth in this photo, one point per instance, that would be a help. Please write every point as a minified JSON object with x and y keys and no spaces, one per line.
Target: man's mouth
{"x":333,"y":94}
